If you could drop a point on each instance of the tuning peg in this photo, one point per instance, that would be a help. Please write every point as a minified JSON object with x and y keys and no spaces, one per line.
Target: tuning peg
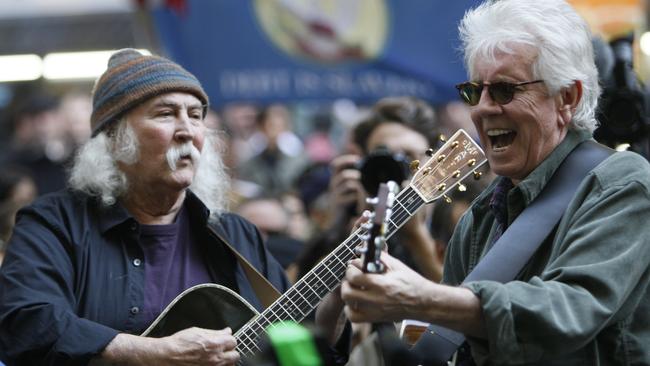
{"x":454,"y":144}
{"x":456,"y":174}
{"x":446,"y":198}
{"x":414,"y":166}
{"x":477,"y":175}
{"x":372,"y":200}
{"x":442,"y":138}
{"x":471,"y":162}
{"x":429,"y":152}
{"x":461,"y":187}
{"x":427,"y":171}
{"x":442,"y":187}
{"x":441,"y":157}
{"x":360,"y":250}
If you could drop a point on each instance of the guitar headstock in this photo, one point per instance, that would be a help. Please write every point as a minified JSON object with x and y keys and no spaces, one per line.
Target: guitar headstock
{"x":459,"y":157}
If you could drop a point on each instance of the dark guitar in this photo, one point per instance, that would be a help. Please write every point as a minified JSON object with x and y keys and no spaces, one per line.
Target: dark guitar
{"x":216,"y":307}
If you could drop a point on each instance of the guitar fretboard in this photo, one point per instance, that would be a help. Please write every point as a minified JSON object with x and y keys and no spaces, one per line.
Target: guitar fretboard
{"x":307,"y":293}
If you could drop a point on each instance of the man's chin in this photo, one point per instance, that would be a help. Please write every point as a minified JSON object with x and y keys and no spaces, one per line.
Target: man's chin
{"x":184,"y":177}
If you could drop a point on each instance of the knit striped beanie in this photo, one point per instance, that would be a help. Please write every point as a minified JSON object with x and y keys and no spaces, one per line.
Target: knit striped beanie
{"x":130,"y":79}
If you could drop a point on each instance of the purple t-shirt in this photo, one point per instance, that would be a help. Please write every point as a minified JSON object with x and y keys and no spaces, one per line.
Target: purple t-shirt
{"x":172,"y":263}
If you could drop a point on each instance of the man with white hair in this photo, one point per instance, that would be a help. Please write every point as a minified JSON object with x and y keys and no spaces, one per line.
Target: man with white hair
{"x":582,"y":298}
{"x":91,"y":267}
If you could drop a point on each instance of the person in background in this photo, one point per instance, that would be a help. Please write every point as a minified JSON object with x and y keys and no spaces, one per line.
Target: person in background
{"x":582,"y":298}
{"x":273,"y":219}
{"x":401,"y":125}
{"x":38,"y":141}
{"x":278,"y":158}
{"x":17,"y":189}
{"x":75,"y":110}
{"x":445,"y":215}
{"x":89,"y":268}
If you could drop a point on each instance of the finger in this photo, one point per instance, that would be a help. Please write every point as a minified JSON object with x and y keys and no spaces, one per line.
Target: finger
{"x":348,"y":187}
{"x":350,"y":174}
{"x":228,"y":358}
{"x":365,"y":216}
{"x":353,"y":273}
{"x":221,"y":340}
{"x":350,"y":294}
{"x":345,"y":179}
{"x":346,"y":290}
{"x":357,"y":278}
{"x":346,"y":198}
{"x":343,"y":162}
{"x":359,"y":313}
{"x":391,"y":262}
{"x":213,"y":332}
{"x":356,"y":263}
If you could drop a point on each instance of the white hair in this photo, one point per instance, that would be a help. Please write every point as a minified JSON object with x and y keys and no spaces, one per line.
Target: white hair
{"x":551,"y":27}
{"x":95,"y":171}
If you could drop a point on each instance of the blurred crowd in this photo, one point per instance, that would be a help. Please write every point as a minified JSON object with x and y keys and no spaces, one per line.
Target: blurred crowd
{"x":295,"y":168}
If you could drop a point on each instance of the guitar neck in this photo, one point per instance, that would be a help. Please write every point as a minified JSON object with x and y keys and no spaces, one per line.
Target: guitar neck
{"x":301,"y":299}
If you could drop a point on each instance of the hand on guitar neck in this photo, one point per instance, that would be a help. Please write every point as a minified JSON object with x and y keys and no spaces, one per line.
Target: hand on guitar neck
{"x":400,"y":292}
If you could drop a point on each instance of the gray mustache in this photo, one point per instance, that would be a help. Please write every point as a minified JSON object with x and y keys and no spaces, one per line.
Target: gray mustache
{"x":176,"y":152}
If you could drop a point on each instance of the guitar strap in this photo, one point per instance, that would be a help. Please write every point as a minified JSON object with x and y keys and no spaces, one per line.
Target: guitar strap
{"x":515,"y":247}
{"x":264,"y":290}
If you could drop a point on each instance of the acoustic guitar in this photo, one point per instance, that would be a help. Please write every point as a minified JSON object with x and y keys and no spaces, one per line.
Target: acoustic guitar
{"x":216,"y":307}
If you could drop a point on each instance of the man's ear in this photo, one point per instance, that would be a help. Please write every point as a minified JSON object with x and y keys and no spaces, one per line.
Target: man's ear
{"x":568,"y":99}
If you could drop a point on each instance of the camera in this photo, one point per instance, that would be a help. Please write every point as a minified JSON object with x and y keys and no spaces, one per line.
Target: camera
{"x":623,"y":108}
{"x":382,"y":165}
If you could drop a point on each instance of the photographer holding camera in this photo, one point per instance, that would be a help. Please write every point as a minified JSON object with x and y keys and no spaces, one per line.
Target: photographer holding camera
{"x":397,"y":131}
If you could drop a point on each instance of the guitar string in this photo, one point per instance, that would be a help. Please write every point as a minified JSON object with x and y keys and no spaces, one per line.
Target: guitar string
{"x":330,"y":282}
{"x":310,"y":297}
{"x":410,"y":193}
{"x":317,"y":274}
{"x":322,"y":269}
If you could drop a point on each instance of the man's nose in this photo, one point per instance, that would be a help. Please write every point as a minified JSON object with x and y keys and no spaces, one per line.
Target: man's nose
{"x":185,"y":130}
{"x":486,"y":104}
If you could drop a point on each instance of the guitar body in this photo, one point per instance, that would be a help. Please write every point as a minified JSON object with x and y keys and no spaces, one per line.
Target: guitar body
{"x":209,"y":306}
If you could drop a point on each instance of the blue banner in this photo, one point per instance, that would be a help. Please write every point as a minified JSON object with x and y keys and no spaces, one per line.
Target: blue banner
{"x":296,"y":50}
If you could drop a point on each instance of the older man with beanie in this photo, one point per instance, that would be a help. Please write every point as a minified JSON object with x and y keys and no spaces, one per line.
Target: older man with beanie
{"x":91,"y":267}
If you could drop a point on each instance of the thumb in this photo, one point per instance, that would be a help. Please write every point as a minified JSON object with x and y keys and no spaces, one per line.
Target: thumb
{"x":390,"y":261}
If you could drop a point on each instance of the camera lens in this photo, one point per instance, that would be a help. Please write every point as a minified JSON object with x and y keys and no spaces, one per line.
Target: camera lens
{"x":380,"y":166}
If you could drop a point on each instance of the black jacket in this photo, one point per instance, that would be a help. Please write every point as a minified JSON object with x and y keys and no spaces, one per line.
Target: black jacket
{"x":71,"y":279}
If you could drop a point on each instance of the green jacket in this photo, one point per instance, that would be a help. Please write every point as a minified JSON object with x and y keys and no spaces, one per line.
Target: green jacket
{"x":583,"y":298}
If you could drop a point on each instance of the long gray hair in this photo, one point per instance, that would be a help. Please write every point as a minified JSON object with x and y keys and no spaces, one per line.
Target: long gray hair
{"x":553,"y":28}
{"x":96,"y":173}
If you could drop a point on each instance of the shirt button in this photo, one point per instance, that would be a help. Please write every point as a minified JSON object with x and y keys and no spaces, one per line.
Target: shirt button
{"x":134,"y":310}
{"x":134,"y":226}
{"x":137,"y":262}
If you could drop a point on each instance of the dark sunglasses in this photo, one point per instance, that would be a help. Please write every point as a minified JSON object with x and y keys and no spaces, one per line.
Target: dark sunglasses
{"x":501,"y":92}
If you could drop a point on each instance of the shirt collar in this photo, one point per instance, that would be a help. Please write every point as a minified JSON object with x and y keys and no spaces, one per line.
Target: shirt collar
{"x":113,"y":216}
{"x":531,"y":186}
{"x":117,"y":215}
